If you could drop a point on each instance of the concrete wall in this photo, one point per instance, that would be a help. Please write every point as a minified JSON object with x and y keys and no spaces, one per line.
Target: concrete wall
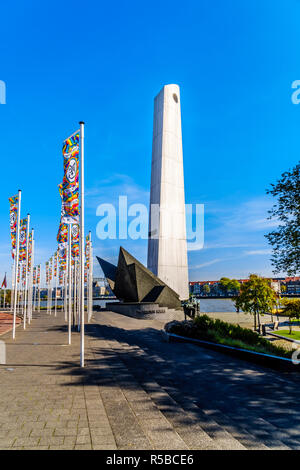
{"x":145,"y":311}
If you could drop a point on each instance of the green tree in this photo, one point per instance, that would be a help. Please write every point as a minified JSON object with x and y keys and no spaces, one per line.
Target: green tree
{"x":285,"y":240}
{"x":283,"y":288}
{"x":291,"y":308}
{"x":256,"y":297}
{"x":7,"y":297}
{"x":223,"y":284}
{"x":229,"y":286}
{"x":206,"y":289}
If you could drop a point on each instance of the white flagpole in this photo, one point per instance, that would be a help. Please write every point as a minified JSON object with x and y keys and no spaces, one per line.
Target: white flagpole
{"x":30,"y":278}
{"x":39,"y":288}
{"x":90,"y":301}
{"x":16,"y":264}
{"x":50,"y":286}
{"x":26,"y":269}
{"x":34,"y":291}
{"x":56,"y":264}
{"x":65,"y":293}
{"x":12,"y":286}
{"x":81,"y":163}
{"x":75,"y":293}
{"x":79,"y":287}
{"x":4,"y":292}
{"x":69,"y":282}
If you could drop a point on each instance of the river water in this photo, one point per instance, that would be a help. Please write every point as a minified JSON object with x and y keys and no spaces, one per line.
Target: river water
{"x":216,"y":305}
{"x":206,"y":305}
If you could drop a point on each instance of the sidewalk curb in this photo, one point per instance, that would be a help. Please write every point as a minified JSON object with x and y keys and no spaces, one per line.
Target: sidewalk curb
{"x":266,"y":360}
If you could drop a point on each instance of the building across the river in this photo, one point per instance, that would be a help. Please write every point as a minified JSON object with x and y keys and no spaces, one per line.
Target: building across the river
{"x":213,"y":288}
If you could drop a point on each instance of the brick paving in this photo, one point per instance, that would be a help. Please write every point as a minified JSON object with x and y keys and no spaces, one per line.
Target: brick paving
{"x":6,"y":322}
{"x":137,"y":392}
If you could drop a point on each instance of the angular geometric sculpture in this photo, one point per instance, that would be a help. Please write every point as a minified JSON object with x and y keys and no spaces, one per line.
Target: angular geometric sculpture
{"x":130,"y":281}
{"x":167,"y":247}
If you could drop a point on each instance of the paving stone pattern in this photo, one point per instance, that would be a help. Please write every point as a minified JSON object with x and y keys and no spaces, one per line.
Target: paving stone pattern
{"x":138,"y":392}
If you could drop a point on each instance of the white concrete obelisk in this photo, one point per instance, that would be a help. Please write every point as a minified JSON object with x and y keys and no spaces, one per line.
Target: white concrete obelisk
{"x":167,"y":247}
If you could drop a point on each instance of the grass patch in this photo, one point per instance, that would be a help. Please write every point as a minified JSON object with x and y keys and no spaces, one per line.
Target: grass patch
{"x":217,"y":331}
{"x":294,"y":335}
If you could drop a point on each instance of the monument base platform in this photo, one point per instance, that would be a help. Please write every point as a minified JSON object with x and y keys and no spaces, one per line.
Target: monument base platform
{"x":145,"y":311}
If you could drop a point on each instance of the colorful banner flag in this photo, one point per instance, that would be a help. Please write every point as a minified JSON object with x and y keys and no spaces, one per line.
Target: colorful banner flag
{"x":61,"y":276}
{"x":87,"y":250}
{"x":29,"y":251}
{"x":55,"y":264}
{"x":85,"y":273}
{"x":75,"y":241}
{"x":38,"y":275}
{"x":62,"y":235}
{"x":34,"y":276}
{"x":69,"y":189}
{"x":13,"y":212}
{"x":47,"y":272}
{"x":50,"y":269}
{"x":24,"y":273}
{"x":23,"y":239}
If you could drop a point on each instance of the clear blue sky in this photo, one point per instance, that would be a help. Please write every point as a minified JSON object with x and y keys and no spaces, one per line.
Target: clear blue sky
{"x":104,"y":62}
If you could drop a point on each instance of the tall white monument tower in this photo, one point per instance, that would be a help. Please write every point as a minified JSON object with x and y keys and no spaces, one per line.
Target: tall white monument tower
{"x":167,"y":247}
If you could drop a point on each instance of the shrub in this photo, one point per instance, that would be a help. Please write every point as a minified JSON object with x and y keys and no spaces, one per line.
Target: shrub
{"x":218,"y":331}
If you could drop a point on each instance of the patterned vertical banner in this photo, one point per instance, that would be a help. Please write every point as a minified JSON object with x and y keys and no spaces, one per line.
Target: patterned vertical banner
{"x":75,"y":241}
{"x":50,"y":269}
{"x":70,"y":185}
{"x":34,"y":276}
{"x":23,"y":239}
{"x":55,"y":264}
{"x":13,"y":212}
{"x":23,"y":273}
{"x":61,"y":276}
{"x":87,"y":251}
{"x":85,"y":273}
{"x":38,"y":275}
{"x":62,"y":239}
{"x":62,"y":256}
{"x":29,"y":251}
{"x":47,"y":272}
{"x":19,"y":273}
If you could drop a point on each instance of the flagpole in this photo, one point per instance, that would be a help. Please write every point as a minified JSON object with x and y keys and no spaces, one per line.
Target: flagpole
{"x":65,"y":290}
{"x":90,"y":279}
{"x":4,"y":292}
{"x":56,"y":273}
{"x":12,"y":286}
{"x":26,"y":269}
{"x":30,"y":279}
{"x":74,"y":294}
{"x":50,"y":285}
{"x":39,"y":288}
{"x":82,"y":241}
{"x":31,"y":274}
{"x":69,"y":282}
{"x":16,"y":263}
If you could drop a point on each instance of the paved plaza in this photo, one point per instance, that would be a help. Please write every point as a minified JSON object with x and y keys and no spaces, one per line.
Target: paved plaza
{"x":138,"y":392}
{"x":6,"y":322}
